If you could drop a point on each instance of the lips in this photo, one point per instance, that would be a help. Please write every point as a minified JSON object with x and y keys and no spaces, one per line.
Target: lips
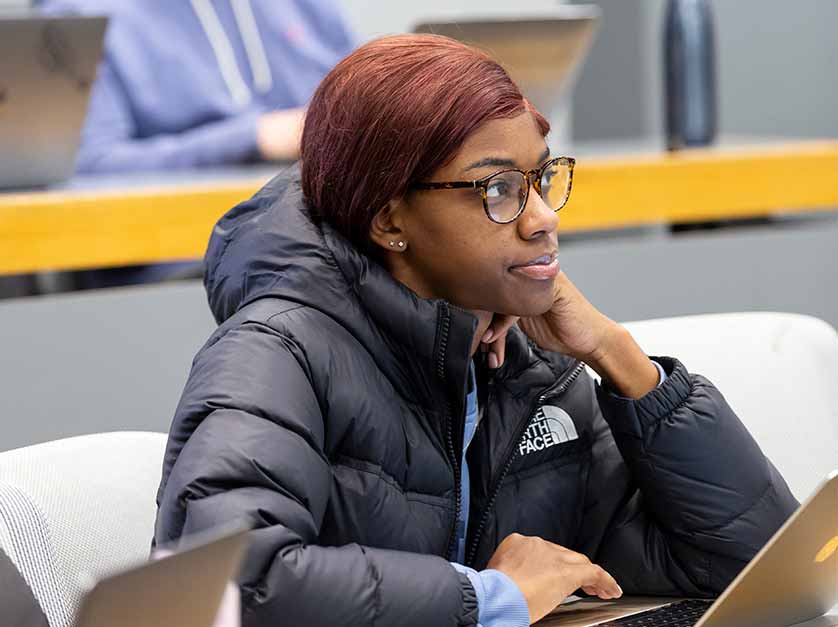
{"x":541,"y":268}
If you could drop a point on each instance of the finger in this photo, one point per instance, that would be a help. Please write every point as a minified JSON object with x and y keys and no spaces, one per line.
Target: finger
{"x":592,"y":591}
{"x":500,"y":324}
{"x":495,"y":336}
{"x":499,"y":349}
{"x":599,"y":593}
{"x":493,"y":361}
{"x":591,"y":575}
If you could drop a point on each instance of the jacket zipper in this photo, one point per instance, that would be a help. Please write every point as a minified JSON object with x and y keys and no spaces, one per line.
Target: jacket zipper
{"x":458,"y":488}
{"x":559,"y":387}
{"x":449,"y":434}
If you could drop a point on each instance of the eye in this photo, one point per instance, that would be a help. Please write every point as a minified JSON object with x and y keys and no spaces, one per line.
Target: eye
{"x":497,"y":188}
{"x":547,"y":177}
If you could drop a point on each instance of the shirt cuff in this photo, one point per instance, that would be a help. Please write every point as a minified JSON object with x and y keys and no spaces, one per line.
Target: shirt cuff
{"x":500,"y":603}
{"x":661,"y":379}
{"x":661,"y":371}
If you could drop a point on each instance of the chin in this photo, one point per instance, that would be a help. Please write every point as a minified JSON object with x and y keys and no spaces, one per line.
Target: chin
{"x":527,"y":305}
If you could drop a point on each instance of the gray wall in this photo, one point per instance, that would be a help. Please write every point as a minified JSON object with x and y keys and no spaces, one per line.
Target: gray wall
{"x":777,"y":70}
{"x":612,"y":96}
{"x":96,"y":361}
{"x":781,"y":267}
{"x":779,"y":67}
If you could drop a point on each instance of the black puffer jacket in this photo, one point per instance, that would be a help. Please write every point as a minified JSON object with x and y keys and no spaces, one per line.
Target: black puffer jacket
{"x":328,"y":406}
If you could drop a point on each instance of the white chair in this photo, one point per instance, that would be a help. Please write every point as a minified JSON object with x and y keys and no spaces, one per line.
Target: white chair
{"x":74,"y":510}
{"x":778,"y":371}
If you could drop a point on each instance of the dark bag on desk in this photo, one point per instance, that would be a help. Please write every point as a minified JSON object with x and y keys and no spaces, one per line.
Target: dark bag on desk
{"x":19,"y":607}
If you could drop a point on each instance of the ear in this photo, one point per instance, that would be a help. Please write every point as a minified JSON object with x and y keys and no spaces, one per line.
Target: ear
{"x":387,"y":227}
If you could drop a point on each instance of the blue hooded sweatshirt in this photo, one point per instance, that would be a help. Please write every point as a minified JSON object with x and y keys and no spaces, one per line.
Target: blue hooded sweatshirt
{"x":183,"y":82}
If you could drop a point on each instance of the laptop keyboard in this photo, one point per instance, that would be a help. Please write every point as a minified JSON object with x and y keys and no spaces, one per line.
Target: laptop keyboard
{"x":678,"y":614}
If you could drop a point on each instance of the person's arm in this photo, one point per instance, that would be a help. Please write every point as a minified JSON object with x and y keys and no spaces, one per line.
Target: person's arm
{"x":249,"y":441}
{"x":680,"y":497}
{"x":500,"y":602}
{"x":109,"y":142}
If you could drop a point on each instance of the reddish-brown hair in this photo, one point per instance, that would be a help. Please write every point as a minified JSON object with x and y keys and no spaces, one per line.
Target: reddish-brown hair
{"x":389,"y":115}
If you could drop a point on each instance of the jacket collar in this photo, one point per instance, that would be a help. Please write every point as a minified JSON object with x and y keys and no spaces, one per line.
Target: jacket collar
{"x":430,"y":339}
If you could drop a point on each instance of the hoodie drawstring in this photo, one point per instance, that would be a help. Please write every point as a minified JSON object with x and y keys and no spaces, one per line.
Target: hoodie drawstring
{"x":223,"y":49}
{"x":262,"y":78}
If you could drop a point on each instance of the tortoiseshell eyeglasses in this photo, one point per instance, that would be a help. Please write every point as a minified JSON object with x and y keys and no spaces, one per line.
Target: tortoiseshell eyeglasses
{"x":505,"y":193}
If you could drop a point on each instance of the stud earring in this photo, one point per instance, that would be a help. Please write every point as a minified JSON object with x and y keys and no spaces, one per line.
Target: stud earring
{"x":392,"y":244}
{"x":401,"y":244}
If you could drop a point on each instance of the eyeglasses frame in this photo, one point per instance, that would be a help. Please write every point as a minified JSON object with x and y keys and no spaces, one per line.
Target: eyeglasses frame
{"x":533,"y":178}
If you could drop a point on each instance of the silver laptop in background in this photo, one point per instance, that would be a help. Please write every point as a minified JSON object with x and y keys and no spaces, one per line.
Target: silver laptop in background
{"x":47,"y":68}
{"x":183,"y":589}
{"x":542,"y":52}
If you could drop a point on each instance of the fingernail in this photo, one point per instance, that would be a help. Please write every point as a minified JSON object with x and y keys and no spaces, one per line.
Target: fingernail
{"x":487,"y":336}
{"x":619,"y":590}
{"x":493,"y":361}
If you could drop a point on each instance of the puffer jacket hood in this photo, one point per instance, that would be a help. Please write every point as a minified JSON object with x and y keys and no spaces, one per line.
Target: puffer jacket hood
{"x":254,"y":253}
{"x":328,"y":408}
{"x":282,"y":253}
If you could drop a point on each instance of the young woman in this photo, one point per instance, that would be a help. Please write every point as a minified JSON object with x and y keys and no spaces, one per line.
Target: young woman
{"x":396,"y":394}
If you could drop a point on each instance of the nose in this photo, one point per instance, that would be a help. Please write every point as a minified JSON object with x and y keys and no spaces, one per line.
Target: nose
{"x":537,"y":218}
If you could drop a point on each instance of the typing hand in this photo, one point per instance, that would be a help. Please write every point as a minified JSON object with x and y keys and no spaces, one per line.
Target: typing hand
{"x":547,"y":573}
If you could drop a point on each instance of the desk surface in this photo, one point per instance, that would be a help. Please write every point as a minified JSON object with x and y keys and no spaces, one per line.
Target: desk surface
{"x":144,"y":218}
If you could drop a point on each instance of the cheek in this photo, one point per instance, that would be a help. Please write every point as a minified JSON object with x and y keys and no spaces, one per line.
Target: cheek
{"x":460,"y":253}
{"x":458,"y":249}
{"x":450,"y":232}
{"x":470,"y":267}
{"x":465,"y":257}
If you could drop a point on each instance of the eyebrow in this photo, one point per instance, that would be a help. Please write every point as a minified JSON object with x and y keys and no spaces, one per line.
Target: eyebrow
{"x":503,"y":163}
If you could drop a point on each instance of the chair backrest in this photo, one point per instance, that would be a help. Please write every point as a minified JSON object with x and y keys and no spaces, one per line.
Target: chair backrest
{"x":779,"y":373}
{"x":74,"y":510}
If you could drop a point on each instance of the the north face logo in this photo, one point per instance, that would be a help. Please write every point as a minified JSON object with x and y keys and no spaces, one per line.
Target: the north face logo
{"x":550,"y":426}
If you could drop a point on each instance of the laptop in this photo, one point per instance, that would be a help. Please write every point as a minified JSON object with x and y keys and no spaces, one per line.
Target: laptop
{"x":542,"y":52}
{"x":794,"y":578}
{"x":47,"y":68}
{"x":183,"y":589}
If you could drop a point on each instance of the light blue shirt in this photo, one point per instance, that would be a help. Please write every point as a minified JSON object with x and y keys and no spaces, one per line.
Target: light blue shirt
{"x":500,"y":602}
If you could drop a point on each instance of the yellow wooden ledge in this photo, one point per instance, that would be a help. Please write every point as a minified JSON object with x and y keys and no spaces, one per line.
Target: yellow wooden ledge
{"x":74,"y":230}
{"x":86,"y":229}
{"x":702,"y":185}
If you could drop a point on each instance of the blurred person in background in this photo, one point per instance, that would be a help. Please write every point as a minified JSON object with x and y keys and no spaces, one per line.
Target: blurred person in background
{"x":204,"y":82}
{"x":199,"y":83}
